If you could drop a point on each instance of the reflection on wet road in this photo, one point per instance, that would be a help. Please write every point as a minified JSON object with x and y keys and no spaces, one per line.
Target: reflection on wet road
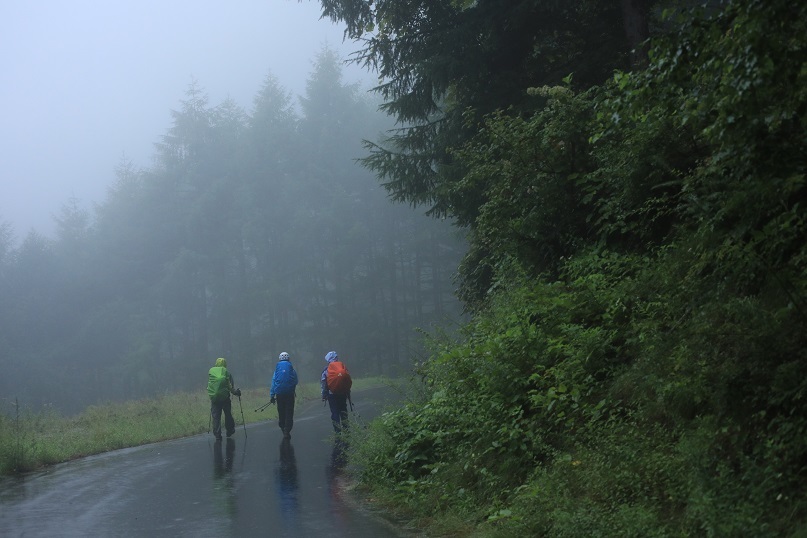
{"x":255,"y":485}
{"x":287,"y":487}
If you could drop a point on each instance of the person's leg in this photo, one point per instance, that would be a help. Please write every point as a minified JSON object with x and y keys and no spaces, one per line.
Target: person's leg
{"x":290,"y":413}
{"x":285,"y":412}
{"x":343,"y":411}
{"x":215,"y":415}
{"x":229,"y":423}
{"x":335,"y":416}
{"x":281,"y":411}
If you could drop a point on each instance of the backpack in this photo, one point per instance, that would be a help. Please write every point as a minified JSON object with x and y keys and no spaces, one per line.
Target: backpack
{"x":218,"y":384}
{"x":285,"y":378}
{"x":338,"y":379}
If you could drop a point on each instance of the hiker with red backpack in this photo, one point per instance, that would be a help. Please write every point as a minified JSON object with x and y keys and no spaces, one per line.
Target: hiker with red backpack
{"x":284,"y":381}
{"x":335,"y":384}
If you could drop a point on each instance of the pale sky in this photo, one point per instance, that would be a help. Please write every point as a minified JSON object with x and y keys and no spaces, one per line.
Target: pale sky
{"x":85,"y":82}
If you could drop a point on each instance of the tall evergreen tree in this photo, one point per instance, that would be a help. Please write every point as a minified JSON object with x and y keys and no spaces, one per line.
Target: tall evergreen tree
{"x":444,"y":65}
{"x":439,"y":59}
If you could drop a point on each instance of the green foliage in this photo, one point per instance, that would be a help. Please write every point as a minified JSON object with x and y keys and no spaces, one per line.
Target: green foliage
{"x":531,"y":211}
{"x":636,"y":363}
{"x":19,"y":447}
{"x":494,"y":406}
{"x":438,"y":59}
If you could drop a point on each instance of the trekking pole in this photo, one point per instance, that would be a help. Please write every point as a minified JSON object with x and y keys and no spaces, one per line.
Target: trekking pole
{"x":209,"y":420}
{"x":350,"y":400}
{"x":264,"y":406}
{"x":242,"y":416}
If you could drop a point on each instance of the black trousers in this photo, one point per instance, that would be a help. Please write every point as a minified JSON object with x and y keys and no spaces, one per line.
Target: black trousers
{"x":338,"y":405}
{"x":216,"y":408}
{"x":285,"y":411}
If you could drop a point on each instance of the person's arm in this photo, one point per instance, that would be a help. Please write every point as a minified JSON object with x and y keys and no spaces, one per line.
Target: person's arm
{"x":273,"y":384}
{"x":323,"y":383}
{"x":233,"y":390}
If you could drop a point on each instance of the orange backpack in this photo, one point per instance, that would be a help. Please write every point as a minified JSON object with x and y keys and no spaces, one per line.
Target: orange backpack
{"x":338,"y":379}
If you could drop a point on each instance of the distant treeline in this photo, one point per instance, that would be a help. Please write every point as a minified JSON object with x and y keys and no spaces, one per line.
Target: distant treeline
{"x":253,"y":233}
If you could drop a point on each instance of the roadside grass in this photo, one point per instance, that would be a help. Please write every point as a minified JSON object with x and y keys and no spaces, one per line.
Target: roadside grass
{"x":30,"y":440}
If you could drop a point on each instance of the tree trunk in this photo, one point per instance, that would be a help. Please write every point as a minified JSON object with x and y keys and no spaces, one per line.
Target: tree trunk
{"x":634,"y":21}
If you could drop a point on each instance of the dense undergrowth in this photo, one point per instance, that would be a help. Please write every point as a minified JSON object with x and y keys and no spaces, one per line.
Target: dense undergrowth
{"x":643,"y":373}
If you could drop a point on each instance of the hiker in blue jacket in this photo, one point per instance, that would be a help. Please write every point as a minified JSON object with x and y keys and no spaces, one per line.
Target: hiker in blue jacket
{"x":284,"y":381}
{"x":338,"y":398}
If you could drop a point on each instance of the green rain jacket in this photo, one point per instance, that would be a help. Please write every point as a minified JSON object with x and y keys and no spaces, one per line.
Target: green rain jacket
{"x":219,"y":382}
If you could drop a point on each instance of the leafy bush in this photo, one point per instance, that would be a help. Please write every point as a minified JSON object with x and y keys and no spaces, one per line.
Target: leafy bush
{"x":638,"y":366}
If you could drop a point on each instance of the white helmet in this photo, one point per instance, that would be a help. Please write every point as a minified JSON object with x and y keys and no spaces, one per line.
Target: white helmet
{"x":284,"y":356}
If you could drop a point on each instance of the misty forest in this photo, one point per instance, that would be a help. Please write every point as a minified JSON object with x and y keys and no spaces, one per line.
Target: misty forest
{"x":252,"y":234}
{"x":615,"y":200}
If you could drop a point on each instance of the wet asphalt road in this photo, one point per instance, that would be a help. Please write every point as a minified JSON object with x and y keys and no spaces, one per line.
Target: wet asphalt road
{"x":254,"y":484}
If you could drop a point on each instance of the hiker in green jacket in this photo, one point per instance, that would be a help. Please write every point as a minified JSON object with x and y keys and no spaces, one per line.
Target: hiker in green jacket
{"x":219,"y":387}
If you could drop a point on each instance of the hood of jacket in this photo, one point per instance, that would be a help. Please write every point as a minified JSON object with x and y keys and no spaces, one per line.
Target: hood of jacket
{"x":331,"y":356}
{"x":221,"y":362}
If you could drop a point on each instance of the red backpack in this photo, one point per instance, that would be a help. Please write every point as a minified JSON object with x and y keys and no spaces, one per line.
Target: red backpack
{"x":338,"y":379}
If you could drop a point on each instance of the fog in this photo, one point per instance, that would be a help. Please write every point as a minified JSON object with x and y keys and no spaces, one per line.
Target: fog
{"x":86,"y":83}
{"x":192,"y":169}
